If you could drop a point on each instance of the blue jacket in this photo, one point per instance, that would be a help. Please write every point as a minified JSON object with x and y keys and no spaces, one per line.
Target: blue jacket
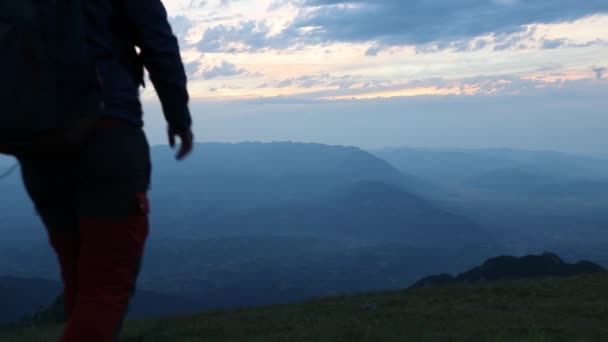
{"x":114,"y":29}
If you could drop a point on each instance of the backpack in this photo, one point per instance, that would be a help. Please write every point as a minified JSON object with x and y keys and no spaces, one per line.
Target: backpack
{"x":50,"y":90}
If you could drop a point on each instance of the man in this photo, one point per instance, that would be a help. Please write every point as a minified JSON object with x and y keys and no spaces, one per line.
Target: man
{"x":94,"y":202}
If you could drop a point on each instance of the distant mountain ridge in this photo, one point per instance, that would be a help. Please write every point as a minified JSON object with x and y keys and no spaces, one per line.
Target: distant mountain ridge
{"x":454,"y":166}
{"x":278,"y":161}
{"x":227,"y":180}
{"x":511,"y":268}
{"x":521,"y":182}
{"x":363,"y":210}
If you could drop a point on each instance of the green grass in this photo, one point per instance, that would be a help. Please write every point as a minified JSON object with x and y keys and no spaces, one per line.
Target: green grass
{"x":569,"y":310}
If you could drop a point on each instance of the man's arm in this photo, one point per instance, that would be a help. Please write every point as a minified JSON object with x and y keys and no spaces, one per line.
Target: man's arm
{"x":161,"y":57}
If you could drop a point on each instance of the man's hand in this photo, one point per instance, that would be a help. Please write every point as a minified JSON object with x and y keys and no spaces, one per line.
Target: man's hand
{"x":186,"y":138}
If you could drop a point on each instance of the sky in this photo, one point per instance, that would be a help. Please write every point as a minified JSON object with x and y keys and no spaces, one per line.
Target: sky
{"x":374,"y":73}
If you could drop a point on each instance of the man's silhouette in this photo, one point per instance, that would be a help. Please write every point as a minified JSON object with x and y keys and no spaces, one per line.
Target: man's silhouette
{"x":94,"y":202}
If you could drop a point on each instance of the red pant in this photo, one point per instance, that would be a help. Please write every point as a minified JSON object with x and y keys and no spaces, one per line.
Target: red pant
{"x":99,"y":267}
{"x":95,"y":209}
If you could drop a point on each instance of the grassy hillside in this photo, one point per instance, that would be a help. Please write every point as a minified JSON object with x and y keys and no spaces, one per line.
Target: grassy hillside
{"x":574,"y":309}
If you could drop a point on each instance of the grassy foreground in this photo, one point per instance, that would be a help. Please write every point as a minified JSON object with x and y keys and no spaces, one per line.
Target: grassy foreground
{"x":569,"y":310}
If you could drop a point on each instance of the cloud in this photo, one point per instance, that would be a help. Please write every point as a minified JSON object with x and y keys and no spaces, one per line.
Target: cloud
{"x":226,"y":69}
{"x":338,"y":88}
{"x":419,"y":22}
{"x":553,"y":43}
{"x":226,"y":3}
{"x":197,"y":4}
{"x":277,"y":4}
{"x":193,"y":69}
{"x":430,"y":25}
{"x":247,"y":35}
{"x":599,"y":72}
{"x":550,"y":44}
{"x":311,"y":81}
{"x":181,"y":26}
{"x":374,"y":50}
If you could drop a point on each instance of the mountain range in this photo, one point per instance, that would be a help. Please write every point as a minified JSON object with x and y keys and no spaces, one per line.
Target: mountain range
{"x":366,"y":211}
{"x":457,"y":166}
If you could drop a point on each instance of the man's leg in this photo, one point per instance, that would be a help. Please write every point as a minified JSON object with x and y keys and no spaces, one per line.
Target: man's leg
{"x":67,"y":247}
{"x":109,"y":262}
{"x":50,"y":186}
{"x":113,"y":227}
